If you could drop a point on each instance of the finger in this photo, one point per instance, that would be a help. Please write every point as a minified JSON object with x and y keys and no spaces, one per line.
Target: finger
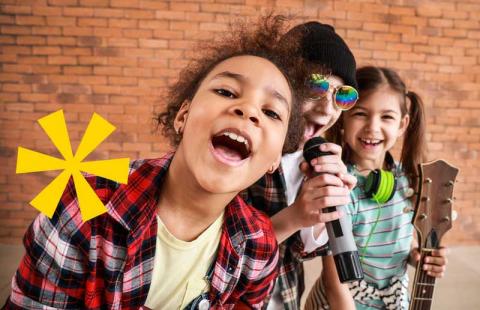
{"x":326,"y":159}
{"x":326,"y":217}
{"x":329,"y":191}
{"x":333,"y":168}
{"x":330,"y":201}
{"x":433,"y":268}
{"x":332,"y":148}
{"x":323,"y":180}
{"x":435,"y":274}
{"x":436,"y":260}
{"x":348,"y":180}
{"x":415,"y":255}
{"x":442,"y":252}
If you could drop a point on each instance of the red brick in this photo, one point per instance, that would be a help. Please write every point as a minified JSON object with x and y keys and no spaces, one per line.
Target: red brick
{"x":139,"y":14}
{"x":95,"y":22}
{"x":16,"y":9}
{"x":30,"y":40}
{"x":46,"y":50}
{"x":61,"y":21}
{"x":62,"y":60}
{"x":122,"y":23}
{"x":15,"y":30}
{"x":78,"y":31}
{"x":47,"y":31}
{"x":51,"y":40}
{"x":47,"y":11}
{"x":170,"y":15}
{"x":77,"y":11}
{"x":124,"y":3}
{"x":153,"y":43}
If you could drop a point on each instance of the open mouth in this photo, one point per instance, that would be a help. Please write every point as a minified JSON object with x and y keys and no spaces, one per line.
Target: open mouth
{"x":370,"y":142}
{"x":311,"y":129}
{"x":231,"y":146}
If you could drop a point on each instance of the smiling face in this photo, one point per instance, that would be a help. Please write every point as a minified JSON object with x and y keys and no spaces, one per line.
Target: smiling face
{"x":235,"y":126}
{"x":372,"y":127}
{"x":322,"y":113}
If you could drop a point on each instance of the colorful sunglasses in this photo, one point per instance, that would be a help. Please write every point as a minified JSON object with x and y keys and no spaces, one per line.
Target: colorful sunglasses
{"x":344,"y":96}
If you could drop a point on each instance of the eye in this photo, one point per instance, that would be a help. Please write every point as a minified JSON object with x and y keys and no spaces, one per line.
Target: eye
{"x":225,"y":93}
{"x":359,"y":114}
{"x":388,"y":117}
{"x":271,"y":114}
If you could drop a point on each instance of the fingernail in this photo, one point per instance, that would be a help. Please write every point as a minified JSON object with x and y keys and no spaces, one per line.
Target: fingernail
{"x":323,"y":147}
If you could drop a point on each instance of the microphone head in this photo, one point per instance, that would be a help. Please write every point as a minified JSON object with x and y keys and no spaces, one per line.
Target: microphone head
{"x":311,"y":149}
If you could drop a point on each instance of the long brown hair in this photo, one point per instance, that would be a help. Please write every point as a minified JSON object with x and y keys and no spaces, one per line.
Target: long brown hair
{"x":371,"y":79}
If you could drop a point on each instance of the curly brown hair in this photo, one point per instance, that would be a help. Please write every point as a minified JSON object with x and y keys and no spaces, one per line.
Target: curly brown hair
{"x":262,"y":40}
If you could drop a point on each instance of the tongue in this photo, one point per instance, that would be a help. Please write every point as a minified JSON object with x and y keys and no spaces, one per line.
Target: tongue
{"x":309,"y":131}
{"x":228,"y":153}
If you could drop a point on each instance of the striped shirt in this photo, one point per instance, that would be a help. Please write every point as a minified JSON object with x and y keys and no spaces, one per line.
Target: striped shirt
{"x":384,"y":258}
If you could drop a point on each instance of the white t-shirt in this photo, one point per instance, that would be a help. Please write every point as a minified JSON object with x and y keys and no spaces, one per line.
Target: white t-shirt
{"x":293,"y":180}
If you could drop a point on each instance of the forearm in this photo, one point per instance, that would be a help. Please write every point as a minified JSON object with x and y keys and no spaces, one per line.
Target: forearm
{"x":338,"y":294}
{"x":284,"y":224}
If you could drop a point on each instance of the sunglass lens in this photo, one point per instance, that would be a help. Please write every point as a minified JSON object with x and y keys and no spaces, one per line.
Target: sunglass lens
{"x":319,"y":85}
{"x":346,"y":97}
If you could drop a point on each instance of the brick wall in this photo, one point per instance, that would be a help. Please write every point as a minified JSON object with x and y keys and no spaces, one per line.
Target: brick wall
{"x":114,"y":57}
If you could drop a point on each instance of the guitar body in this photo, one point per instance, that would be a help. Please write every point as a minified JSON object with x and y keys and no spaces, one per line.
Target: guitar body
{"x":432,"y":219}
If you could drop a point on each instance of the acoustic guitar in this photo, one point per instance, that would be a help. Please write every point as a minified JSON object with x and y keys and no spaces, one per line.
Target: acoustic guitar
{"x":432,"y":219}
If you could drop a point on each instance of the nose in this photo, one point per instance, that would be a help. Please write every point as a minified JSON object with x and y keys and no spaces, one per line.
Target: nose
{"x":247,"y":110}
{"x":373,"y":124}
{"x":325,"y":105}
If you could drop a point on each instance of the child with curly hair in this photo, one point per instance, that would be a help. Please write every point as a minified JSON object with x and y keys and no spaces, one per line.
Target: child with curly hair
{"x":178,"y":235}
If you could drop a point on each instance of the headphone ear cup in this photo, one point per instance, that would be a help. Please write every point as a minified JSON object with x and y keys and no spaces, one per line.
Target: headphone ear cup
{"x":371,"y":186}
{"x":380,"y":185}
{"x":393,"y":188}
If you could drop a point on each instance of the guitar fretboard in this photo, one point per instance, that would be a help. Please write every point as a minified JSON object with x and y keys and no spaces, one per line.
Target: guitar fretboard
{"x":423,"y":286}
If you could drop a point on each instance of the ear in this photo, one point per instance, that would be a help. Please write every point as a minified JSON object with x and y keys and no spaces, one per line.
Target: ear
{"x":275,"y":164}
{"x":403,"y":125}
{"x":181,"y":117}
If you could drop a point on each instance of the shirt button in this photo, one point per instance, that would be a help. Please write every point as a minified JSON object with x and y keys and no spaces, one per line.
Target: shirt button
{"x":204,"y":304}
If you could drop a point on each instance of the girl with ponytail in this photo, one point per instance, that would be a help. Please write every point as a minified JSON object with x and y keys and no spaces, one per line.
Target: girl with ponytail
{"x":382,"y":229}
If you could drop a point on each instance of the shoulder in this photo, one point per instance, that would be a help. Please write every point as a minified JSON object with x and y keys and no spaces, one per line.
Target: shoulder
{"x":251,"y":227}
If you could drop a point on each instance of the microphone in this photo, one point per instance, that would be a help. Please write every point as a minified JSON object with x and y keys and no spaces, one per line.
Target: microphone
{"x":342,"y":244}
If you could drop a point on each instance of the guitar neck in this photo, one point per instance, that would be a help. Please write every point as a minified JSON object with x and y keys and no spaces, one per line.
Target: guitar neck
{"x":423,"y":286}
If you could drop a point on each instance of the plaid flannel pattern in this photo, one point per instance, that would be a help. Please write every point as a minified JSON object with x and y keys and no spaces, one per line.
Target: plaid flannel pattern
{"x":268,"y":195}
{"x":107,"y":262}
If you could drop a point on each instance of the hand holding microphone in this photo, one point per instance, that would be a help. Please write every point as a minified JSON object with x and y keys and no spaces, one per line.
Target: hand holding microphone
{"x":339,"y":231}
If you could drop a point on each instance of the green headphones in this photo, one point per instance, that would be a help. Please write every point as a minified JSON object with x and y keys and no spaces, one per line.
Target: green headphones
{"x":380,"y":185}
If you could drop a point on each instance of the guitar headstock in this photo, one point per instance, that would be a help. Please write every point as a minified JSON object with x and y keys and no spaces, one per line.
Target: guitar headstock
{"x":433,"y":213}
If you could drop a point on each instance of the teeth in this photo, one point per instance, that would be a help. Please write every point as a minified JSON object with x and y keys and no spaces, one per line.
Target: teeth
{"x":236,"y":137}
{"x":370,"y":141}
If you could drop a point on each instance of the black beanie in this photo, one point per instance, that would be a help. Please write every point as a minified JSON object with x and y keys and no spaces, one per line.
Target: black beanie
{"x":320,"y":44}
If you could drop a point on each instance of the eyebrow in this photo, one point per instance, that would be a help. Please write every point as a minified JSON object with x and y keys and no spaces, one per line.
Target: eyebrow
{"x":243,"y":79}
{"x":383,"y":111}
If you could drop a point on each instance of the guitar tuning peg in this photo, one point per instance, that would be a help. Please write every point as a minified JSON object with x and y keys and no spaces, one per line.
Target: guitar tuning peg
{"x":454,"y":215}
{"x":407,"y":209}
{"x":409,"y":192}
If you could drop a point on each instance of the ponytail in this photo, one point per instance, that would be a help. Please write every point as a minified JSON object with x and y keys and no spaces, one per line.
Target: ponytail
{"x":414,"y":143}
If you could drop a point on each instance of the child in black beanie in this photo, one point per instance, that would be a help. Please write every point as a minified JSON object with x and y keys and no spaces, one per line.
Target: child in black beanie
{"x":293,"y":203}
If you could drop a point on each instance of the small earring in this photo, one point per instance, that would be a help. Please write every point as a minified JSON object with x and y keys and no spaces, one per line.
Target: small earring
{"x":272,"y":169}
{"x":179,"y":130}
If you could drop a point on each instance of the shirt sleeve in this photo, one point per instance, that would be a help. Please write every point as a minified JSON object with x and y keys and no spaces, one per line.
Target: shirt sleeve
{"x":310,"y":242}
{"x":52,"y":273}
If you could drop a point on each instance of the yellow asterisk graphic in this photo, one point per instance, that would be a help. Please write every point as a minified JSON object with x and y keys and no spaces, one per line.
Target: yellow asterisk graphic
{"x":114,"y":169}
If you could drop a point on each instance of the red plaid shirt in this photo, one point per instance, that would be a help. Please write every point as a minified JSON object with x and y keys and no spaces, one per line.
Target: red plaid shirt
{"x":107,"y":262}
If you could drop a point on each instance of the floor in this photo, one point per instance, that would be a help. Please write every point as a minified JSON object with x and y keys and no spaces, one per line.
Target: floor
{"x":459,"y":289}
